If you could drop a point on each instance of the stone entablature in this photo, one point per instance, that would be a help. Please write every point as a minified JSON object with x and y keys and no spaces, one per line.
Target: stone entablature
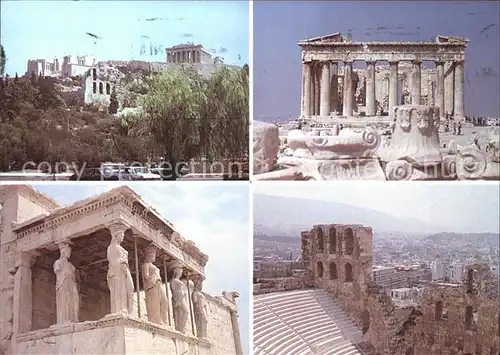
{"x":131,"y":211}
{"x":382,"y":51}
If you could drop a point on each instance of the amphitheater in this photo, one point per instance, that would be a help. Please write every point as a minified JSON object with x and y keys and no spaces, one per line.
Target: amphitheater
{"x":333,"y":306}
{"x":302,"y":322}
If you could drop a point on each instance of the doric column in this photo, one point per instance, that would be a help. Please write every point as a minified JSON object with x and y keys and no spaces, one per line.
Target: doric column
{"x":306,"y":89}
{"x":393,"y":86}
{"x":371,"y":106}
{"x":449,"y":87}
{"x":23,"y":291}
{"x":348,"y":90}
{"x":340,"y":93}
{"x":416,"y":85}
{"x":459,"y":111}
{"x":312,"y":88}
{"x":334,"y":88}
{"x":317,"y":87}
{"x":440,"y":87}
{"x":325,"y":89}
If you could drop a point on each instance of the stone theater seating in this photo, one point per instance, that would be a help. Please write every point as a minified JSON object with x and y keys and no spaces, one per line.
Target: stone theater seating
{"x":305,"y":322}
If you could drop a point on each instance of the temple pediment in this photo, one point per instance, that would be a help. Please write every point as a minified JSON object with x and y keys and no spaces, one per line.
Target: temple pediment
{"x":333,"y":37}
{"x":451,"y":39}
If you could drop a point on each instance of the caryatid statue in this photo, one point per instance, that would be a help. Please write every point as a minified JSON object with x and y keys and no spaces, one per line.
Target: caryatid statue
{"x":180,"y":301}
{"x":200,"y":308}
{"x":120,"y":283}
{"x":156,"y":297}
{"x":67,"y":298}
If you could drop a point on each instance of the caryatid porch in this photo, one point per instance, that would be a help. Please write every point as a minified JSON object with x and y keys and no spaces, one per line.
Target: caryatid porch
{"x":322,"y":57}
{"x":105,"y":239}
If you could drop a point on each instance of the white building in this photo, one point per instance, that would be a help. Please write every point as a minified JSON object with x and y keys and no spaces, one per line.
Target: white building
{"x":404,"y":293}
{"x":76,"y":65}
{"x":446,"y":271}
{"x":388,"y":277}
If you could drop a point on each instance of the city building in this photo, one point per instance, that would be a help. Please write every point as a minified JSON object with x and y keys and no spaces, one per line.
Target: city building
{"x":447,"y":271}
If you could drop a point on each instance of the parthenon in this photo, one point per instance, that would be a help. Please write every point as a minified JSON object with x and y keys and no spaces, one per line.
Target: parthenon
{"x":324,"y":88}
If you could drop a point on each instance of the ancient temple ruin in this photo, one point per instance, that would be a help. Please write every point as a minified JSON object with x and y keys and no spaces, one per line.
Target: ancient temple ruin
{"x":104,"y":275}
{"x":378,"y":123}
{"x":331,"y":86}
{"x":332,"y":306}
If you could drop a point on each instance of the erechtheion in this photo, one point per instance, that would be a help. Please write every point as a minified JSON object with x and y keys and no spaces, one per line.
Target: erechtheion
{"x":105,"y":275}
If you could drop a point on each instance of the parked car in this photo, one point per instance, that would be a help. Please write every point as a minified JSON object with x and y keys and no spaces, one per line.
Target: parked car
{"x":143,"y":173}
{"x":96,"y":174}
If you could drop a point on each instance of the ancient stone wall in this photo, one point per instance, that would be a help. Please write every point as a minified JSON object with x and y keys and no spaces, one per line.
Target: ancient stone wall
{"x":219,"y":328}
{"x":44,"y":297}
{"x":448,"y":319}
{"x":280,"y":284}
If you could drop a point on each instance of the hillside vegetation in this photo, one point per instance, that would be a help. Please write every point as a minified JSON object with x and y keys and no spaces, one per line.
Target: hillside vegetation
{"x":184,"y":115}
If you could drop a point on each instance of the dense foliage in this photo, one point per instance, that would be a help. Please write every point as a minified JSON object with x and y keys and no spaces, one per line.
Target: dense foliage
{"x":184,"y":116}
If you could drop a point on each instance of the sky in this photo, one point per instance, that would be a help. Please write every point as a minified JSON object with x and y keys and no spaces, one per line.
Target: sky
{"x":48,"y":29}
{"x":467,"y":207}
{"x":279,"y":25}
{"x":214,"y":216}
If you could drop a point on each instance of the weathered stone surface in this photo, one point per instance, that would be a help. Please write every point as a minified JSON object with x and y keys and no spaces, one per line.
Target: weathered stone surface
{"x":266,"y":143}
{"x":415,"y":138}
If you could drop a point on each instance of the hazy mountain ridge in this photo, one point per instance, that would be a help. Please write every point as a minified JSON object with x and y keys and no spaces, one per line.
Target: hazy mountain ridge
{"x":466,"y":237}
{"x":287,"y":216}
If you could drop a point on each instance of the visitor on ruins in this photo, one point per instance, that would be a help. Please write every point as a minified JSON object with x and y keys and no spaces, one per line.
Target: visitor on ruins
{"x":459,"y":128}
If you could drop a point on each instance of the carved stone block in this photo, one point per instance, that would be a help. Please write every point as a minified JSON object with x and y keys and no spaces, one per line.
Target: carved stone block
{"x":415,"y":138}
{"x":266,"y":143}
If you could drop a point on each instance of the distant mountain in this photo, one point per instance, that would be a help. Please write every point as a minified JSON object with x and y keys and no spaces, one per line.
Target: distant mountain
{"x":466,"y":237}
{"x":287,"y":216}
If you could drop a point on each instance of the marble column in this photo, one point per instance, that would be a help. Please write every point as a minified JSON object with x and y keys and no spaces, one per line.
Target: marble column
{"x":459,"y":111}
{"x":306,"y":89}
{"x":371,"y":103}
{"x":317,"y":88}
{"x":334,"y":89}
{"x":440,"y":87}
{"x":449,"y":87}
{"x":348,"y":90}
{"x":393,"y":86}
{"x":312,"y":88}
{"x":23,"y":291}
{"x":416,"y":83}
{"x":325,"y":89}
{"x":340,"y":94}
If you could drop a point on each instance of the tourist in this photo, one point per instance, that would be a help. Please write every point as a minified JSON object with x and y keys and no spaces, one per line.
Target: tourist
{"x":459,"y":128}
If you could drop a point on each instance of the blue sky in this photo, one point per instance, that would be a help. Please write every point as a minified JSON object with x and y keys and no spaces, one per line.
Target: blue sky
{"x":461,"y":207}
{"x":214,"y":216}
{"x":48,"y":29}
{"x":279,"y":25}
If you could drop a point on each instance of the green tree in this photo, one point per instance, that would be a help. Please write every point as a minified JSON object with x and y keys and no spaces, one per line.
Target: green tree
{"x":113,"y":104}
{"x":174,"y":106}
{"x":3,"y":59}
